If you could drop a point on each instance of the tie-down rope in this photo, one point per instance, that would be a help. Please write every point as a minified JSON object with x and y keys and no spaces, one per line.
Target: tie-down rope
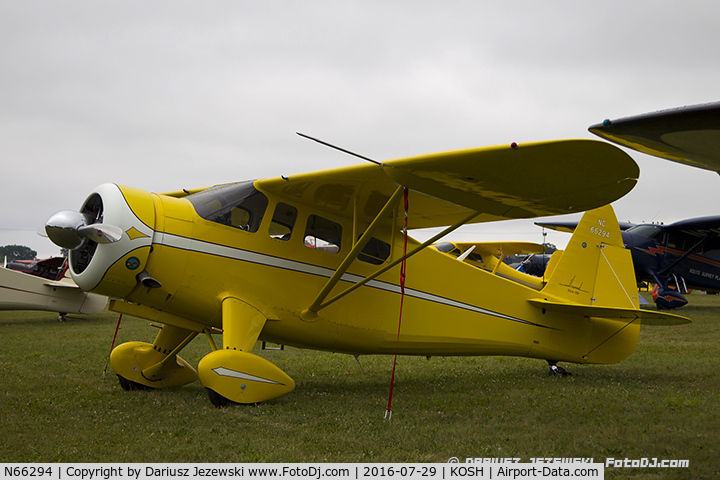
{"x":403,"y":265}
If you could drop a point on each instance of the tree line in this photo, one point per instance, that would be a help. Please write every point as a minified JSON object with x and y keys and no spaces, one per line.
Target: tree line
{"x":17,"y":252}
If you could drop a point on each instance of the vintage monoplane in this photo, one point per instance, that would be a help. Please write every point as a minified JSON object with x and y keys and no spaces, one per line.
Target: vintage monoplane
{"x":43,"y":285}
{"x":323,"y":261}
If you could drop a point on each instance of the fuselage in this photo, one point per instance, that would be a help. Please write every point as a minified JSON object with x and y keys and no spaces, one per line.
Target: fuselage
{"x":683,"y":260}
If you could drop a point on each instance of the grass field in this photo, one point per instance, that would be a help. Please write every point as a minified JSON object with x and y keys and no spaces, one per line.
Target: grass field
{"x":663,"y":401}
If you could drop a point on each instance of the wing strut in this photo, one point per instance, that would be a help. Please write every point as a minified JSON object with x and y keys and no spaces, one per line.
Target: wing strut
{"x":359,"y":245}
{"x":387,"y":267}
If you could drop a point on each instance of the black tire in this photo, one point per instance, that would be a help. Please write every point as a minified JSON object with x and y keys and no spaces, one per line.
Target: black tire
{"x":218,"y":400}
{"x":129,"y":385}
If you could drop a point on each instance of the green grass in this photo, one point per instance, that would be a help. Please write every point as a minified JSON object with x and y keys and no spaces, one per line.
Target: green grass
{"x":663,"y":401}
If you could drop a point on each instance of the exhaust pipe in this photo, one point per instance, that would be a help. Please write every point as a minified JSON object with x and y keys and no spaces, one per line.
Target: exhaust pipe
{"x":147,"y":281}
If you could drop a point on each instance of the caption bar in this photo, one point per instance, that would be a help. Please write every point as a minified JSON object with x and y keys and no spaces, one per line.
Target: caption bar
{"x":302,"y":471}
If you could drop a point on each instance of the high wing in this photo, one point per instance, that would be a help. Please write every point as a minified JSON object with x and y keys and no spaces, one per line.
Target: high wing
{"x":501,"y":182}
{"x":688,"y":135}
{"x":568,"y":226}
{"x":700,"y":226}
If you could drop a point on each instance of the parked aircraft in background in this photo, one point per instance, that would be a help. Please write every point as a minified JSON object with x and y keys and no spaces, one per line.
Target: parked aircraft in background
{"x":235,"y":259}
{"x":677,"y":257}
{"x":685,"y":254}
{"x":52,"y":268}
{"x":43,"y":285}
{"x":490,"y":256}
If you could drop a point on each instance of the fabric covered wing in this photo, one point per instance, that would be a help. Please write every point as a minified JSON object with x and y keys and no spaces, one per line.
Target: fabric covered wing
{"x":501,"y":182}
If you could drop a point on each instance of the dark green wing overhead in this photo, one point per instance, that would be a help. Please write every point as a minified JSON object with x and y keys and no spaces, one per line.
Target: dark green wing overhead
{"x":688,"y":135}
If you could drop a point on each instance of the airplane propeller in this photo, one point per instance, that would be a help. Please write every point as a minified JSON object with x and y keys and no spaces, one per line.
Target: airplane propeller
{"x":69,"y":229}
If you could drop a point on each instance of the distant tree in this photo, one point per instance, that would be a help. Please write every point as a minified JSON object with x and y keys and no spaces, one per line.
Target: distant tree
{"x":17,"y":252}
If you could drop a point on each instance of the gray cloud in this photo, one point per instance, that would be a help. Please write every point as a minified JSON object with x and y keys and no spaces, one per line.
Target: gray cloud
{"x":166,"y":95}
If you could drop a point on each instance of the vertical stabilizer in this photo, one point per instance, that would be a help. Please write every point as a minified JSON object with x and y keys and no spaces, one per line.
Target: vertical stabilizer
{"x":595,"y":269}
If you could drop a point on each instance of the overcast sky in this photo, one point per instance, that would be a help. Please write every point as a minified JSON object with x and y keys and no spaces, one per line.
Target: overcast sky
{"x":163,"y":95}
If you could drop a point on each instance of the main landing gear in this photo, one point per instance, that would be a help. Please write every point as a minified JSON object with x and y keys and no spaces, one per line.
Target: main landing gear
{"x":231,"y":375}
{"x":557,"y":371}
{"x":218,"y":400}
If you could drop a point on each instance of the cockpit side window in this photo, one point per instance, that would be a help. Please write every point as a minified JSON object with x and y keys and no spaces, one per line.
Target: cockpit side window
{"x":283,"y":221}
{"x":711,"y":248}
{"x":323,"y":234}
{"x":237,"y":205}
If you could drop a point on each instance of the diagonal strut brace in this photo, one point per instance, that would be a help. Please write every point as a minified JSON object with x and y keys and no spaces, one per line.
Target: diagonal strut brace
{"x":357,"y":248}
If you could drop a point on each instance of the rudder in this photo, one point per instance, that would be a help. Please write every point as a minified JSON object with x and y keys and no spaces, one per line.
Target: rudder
{"x":595,"y":269}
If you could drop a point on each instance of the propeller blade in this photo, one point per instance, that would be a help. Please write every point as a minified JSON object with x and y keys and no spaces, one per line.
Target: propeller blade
{"x":101,"y":233}
{"x":68,"y":229}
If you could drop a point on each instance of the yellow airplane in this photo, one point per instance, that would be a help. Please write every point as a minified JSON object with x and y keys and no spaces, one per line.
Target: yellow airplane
{"x":489,"y":256}
{"x":315,"y":261}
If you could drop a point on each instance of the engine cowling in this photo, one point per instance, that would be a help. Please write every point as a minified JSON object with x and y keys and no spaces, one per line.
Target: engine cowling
{"x":109,"y":239}
{"x":668,"y":298}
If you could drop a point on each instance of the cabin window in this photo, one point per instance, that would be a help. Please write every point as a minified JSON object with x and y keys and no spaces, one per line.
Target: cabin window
{"x":323,"y":234}
{"x":375,"y":252}
{"x":711,"y":248}
{"x":237,"y":205}
{"x":283,"y":221}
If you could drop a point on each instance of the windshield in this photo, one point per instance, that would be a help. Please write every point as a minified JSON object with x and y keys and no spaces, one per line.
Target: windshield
{"x":647,"y":231}
{"x":237,"y":205}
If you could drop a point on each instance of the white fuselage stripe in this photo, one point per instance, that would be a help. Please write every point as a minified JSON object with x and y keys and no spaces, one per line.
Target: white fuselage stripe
{"x":209,"y":248}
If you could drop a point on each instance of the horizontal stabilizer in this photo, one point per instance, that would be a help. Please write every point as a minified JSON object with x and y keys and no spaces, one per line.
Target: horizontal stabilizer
{"x":648,"y":317}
